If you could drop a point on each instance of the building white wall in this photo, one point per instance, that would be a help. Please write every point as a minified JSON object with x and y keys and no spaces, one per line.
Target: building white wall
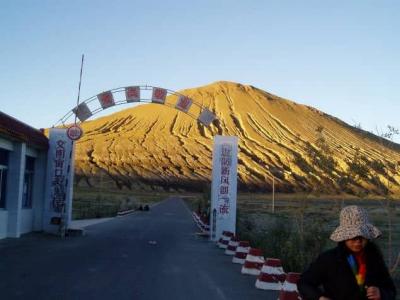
{"x":3,"y":223}
{"x":26,"y":220}
{"x":15,"y":180}
{"x":5,"y":144}
{"x":14,"y":219}
{"x":39,"y":183}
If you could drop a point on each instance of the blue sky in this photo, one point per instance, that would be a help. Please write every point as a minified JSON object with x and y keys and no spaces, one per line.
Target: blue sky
{"x":342,"y":57}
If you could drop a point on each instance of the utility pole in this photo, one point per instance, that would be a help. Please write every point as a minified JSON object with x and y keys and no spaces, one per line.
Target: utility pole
{"x":273,"y":171}
{"x":273,"y":193}
{"x":69,"y":183}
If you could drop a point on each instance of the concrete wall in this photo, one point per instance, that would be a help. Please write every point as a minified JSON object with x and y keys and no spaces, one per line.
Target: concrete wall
{"x":39,"y":185}
{"x":3,"y":223}
{"x":26,"y":220}
{"x":15,"y":180}
{"x":5,"y":144}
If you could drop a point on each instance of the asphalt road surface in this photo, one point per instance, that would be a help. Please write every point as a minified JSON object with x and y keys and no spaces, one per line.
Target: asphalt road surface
{"x":146,"y":255}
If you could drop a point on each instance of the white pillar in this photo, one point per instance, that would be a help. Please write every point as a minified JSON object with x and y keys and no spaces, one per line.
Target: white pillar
{"x":224,"y":186}
{"x":15,"y":181}
{"x":39,"y":181}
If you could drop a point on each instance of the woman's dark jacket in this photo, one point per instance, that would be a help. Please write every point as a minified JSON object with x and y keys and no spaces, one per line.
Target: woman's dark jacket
{"x":330,"y":275}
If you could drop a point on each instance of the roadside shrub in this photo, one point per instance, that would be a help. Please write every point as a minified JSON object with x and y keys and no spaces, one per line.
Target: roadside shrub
{"x":282,"y":238}
{"x":296,"y":249}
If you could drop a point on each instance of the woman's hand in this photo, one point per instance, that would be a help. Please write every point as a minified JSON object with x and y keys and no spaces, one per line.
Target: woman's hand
{"x":373,"y":293}
{"x":324,"y":298}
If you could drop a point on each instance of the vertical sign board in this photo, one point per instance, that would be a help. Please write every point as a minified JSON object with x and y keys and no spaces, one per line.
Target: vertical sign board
{"x":132,"y":94}
{"x":224,"y":186}
{"x":184,"y":103}
{"x":106,"y":99}
{"x":59,"y":181}
{"x":158,"y":95}
{"x":206,"y":117}
{"x":82,"y":111}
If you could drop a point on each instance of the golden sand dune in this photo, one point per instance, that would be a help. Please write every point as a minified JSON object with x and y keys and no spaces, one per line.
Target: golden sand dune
{"x":305,"y":149}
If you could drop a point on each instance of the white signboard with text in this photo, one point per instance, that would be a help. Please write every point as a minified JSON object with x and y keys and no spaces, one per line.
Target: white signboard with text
{"x":59,"y":183}
{"x":224,"y":186}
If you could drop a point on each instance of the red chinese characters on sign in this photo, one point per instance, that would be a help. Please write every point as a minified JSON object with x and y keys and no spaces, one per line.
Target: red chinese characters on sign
{"x":106,"y":99}
{"x":159,"y":95}
{"x":225,"y":180}
{"x":225,"y":171}
{"x":223,"y":206}
{"x":184,"y":103}
{"x":132,"y":94}
{"x":58,"y":182}
{"x":225,"y":161}
{"x":224,"y":183}
{"x":223,"y":189}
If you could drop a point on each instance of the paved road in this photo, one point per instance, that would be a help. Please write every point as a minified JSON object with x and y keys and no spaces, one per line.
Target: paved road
{"x":116,"y":261}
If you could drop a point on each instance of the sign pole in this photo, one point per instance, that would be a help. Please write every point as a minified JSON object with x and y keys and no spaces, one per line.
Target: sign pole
{"x":80,"y":81}
{"x":273,"y":193}
{"x":74,"y":132}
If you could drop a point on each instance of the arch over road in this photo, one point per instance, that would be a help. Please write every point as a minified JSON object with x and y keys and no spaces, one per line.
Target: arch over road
{"x":138,"y":94}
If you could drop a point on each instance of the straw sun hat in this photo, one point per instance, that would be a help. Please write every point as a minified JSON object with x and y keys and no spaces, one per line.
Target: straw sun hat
{"x":354,"y":222}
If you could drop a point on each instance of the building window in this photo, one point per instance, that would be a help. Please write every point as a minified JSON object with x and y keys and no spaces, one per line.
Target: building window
{"x":3,"y":176}
{"x":28,"y":182}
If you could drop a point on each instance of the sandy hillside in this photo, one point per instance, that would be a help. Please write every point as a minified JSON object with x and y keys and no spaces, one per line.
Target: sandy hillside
{"x":156,"y":146}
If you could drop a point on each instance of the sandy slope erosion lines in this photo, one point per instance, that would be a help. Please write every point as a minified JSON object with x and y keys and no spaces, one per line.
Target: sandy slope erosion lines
{"x":157,"y":147}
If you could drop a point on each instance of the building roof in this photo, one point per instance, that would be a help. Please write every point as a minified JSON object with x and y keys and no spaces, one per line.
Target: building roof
{"x":17,"y":130}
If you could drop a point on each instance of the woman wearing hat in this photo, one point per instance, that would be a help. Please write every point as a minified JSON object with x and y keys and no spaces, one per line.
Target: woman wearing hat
{"x":355,"y":269}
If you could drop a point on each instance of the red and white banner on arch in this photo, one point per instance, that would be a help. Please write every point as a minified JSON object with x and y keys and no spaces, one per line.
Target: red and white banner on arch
{"x":224,"y":186}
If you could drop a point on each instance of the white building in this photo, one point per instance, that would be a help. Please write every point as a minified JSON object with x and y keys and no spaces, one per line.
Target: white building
{"x":23,"y":160}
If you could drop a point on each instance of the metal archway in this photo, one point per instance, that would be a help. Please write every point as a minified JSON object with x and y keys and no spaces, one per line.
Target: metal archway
{"x":138,"y":94}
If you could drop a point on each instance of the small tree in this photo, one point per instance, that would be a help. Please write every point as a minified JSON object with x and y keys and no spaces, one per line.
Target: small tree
{"x":322,"y":157}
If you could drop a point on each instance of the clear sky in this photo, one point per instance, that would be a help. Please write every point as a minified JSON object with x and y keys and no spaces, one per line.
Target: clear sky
{"x":342,"y":57}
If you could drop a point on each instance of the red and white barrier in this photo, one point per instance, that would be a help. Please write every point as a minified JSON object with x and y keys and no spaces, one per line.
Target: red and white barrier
{"x":201,"y":223}
{"x":271,"y":276}
{"x":241,"y":252}
{"x":232,"y":245}
{"x":253,"y":263}
{"x":289,"y":288}
{"x":204,"y":226}
{"x":225,"y":238}
{"x":219,"y":242}
{"x":196,"y":218}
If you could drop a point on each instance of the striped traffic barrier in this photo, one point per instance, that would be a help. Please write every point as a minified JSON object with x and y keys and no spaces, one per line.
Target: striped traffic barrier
{"x":196,"y":218}
{"x":253,"y":262}
{"x":271,"y":276}
{"x":219,"y":242}
{"x":205,"y":227}
{"x":241,"y":252}
{"x":225,"y":238}
{"x":201,"y":223}
{"x":232,"y":245}
{"x":289,"y":288}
